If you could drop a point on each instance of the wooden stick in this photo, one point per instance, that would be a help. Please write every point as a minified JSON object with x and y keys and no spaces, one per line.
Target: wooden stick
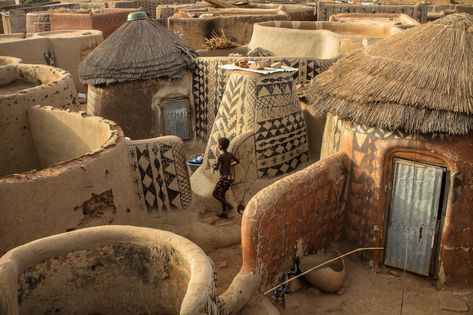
{"x":323,"y":264}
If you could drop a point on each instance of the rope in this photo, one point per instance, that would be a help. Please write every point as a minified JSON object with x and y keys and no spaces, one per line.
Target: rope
{"x":323,"y":264}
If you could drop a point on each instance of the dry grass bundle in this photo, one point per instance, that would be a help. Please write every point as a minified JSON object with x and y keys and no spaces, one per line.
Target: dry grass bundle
{"x":217,"y":41}
{"x":420,"y":80}
{"x":138,"y":50}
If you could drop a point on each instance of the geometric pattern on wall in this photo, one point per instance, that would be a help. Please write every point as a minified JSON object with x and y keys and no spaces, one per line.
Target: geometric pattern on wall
{"x":160,"y":175}
{"x":209,"y":82}
{"x":266,"y":109}
{"x":281,"y":145}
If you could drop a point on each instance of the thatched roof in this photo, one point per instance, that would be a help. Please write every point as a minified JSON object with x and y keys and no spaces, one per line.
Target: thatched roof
{"x":139,"y":50}
{"x":420,"y":80}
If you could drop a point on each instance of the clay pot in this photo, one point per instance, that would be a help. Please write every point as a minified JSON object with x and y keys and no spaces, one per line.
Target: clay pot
{"x":328,"y":278}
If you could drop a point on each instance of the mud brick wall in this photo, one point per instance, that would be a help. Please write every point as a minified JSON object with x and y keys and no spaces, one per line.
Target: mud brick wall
{"x":149,"y":6}
{"x":299,"y":214}
{"x":326,"y":9}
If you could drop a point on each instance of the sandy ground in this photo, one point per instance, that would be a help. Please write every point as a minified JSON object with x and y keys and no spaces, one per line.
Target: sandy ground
{"x":227,"y":265}
{"x":368,"y":292}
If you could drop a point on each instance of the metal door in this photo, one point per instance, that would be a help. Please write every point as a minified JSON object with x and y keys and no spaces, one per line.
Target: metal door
{"x":176,"y":117}
{"x":413,"y":216}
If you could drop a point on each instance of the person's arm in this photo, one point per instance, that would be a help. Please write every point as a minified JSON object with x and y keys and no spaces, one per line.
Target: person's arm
{"x":216,"y":166}
{"x":237,"y":161}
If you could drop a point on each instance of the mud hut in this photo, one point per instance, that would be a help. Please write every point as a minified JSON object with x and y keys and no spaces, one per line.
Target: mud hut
{"x":140,"y":77}
{"x":402,"y":110}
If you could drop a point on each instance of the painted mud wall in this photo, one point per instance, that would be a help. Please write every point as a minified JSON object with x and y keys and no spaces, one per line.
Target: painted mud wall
{"x":297,"y":215}
{"x":108,"y":270}
{"x":92,"y":189}
{"x":372,"y":151}
{"x":326,"y":9}
{"x":134,"y":105}
{"x":279,"y":222}
{"x":209,"y":82}
{"x":160,"y":174}
{"x":53,"y":86}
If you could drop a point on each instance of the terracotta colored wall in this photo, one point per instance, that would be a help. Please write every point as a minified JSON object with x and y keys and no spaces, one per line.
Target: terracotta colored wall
{"x":236,"y":27}
{"x":93,"y":189}
{"x":372,"y":151}
{"x":299,"y":214}
{"x":107,"y":21}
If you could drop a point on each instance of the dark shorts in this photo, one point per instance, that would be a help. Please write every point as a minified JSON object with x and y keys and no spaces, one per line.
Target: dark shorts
{"x":223,"y":184}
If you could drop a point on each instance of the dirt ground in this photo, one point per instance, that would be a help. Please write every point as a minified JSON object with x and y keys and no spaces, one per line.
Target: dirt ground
{"x":368,"y":292}
{"x":227,"y":265}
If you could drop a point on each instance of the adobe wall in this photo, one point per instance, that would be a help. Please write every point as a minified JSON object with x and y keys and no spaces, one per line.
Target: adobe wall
{"x":239,"y":28}
{"x":318,"y":40}
{"x":51,"y":86}
{"x":94,"y":188}
{"x":209,"y":82}
{"x":106,"y":20}
{"x":160,"y":177}
{"x":130,"y":104}
{"x":149,"y":6}
{"x":69,"y":48}
{"x":371,"y":151}
{"x":297,"y":215}
{"x":37,"y":22}
{"x":326,"y":9}
{"x":108,"y":270}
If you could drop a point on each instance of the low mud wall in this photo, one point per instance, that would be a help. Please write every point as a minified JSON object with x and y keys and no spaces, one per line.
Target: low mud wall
{"x":108,"y":270}
{"x":297,"y":215}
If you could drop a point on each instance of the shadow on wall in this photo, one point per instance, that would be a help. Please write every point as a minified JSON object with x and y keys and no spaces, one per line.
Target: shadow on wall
{"x":298,"y":215}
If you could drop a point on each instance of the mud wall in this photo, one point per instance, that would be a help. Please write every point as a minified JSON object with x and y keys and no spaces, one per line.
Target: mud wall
{"x":299,"y":214}
{"x":372,"y":151}
{"x":66,"y":136}
{"x":209,"y":82}
{"x":106,"y":21}
{"x":149,"y":6}
{"x":239,"y":28}
{"x":326,"y":9}
{"x":130,"y":104}
{"x":108,"y":270}
{"x":53,"y":87}
{"x":160,"y":174}
{"x":92,"y":189}
{"x":69,"y":48}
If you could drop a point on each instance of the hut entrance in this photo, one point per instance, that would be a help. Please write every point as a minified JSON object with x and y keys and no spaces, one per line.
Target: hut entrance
{"x":176,"y":117}
{"x":415,"y":217}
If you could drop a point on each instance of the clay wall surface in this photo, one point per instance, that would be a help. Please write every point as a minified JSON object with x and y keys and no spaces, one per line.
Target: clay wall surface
{"x":37,"y":22}
{"x":47,"y":85}
{"x":298,"y":215}
{"x":160,"y":174}
{"x":108,"y":270}
{"x":326,"y":9}
{"x":69,"y":48}
{"x":92,"y":189}
{"x":133,"y":105}
{"x":15,"y":20}
{"x":372,"y":151}
{"x":239,"y":28}
{"x":106,"y":20}
{"x":209,"y":82}
{"x":318,"y":40}
{"x":149,"y":6}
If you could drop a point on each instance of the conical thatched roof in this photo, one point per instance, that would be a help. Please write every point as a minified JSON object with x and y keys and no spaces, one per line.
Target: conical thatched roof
{"x":139,"y":50}
{"x":420,"y":80}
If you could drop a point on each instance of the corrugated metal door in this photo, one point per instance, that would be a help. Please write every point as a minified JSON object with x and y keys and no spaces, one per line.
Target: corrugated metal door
{"x":413,"y":218}
{"x":176,"y":117}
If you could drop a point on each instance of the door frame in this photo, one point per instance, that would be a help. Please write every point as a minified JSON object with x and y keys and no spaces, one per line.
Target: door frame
{"x":420,"y":158}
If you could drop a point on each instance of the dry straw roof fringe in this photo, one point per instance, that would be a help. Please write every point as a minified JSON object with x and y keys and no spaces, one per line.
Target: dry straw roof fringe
{"x":138,"y":50}
{"x":420,"y":80}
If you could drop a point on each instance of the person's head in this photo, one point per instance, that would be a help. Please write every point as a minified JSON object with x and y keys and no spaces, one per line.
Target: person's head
{"x":223,"y":143}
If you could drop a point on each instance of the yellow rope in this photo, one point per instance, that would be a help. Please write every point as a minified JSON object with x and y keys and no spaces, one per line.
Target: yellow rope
{"x":322,"y":264}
